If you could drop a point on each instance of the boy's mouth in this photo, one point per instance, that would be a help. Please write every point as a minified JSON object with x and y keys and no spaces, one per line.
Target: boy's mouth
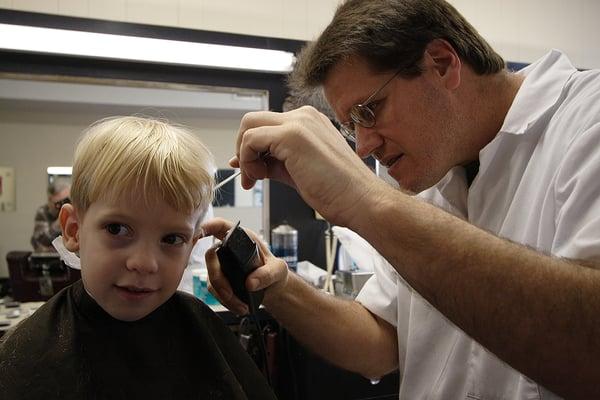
{"x":135,"y":291}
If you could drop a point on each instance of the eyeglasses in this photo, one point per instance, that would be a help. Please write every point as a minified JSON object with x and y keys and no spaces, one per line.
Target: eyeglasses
{"x":58,"y":205}
{"x":362,"y":114}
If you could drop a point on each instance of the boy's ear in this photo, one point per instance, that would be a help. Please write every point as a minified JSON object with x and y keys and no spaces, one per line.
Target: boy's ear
{"x":69,"y":224}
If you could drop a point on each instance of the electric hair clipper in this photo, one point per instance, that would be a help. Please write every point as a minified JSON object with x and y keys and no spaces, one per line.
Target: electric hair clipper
{"x":238,"y":256}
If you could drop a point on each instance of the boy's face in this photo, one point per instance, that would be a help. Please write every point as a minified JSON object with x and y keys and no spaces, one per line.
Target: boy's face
{"x":132,"y":256}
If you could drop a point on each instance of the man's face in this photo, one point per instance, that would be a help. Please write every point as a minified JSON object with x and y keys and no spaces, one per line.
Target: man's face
{"x":56,"y":197}
{"x":414,"y":134}
{"x":133,"y":256}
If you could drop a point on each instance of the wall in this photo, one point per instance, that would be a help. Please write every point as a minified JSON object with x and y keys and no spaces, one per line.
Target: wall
{"x":35,"y":136}
{"x":523,"y":30}
{"x":291,"y":19}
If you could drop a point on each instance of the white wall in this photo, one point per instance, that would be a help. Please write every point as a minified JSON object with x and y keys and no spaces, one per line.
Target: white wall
{"x":292,"y":19}
{"x":523,"y":30}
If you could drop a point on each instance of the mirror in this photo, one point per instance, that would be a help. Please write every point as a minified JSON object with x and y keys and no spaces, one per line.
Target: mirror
{"x":41,"y":118}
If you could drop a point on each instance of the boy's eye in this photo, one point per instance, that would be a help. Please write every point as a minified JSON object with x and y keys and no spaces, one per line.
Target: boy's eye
{"x":173,"y":239}
{"x":117,"y":229}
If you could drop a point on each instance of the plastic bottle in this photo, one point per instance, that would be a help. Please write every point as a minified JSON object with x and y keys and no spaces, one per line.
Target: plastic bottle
{"x":284,"y":244}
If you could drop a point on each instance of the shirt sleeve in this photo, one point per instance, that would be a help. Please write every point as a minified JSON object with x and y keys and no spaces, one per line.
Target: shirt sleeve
{"x":383,"y":293}
{"x":379,"y":295}
{"x":577,"y":199}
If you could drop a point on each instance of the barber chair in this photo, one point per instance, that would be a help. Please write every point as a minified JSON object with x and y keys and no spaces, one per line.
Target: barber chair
{"x":38,"y":276}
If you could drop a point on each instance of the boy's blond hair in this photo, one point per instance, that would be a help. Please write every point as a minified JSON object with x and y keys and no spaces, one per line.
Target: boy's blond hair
{"x":120,"y":154}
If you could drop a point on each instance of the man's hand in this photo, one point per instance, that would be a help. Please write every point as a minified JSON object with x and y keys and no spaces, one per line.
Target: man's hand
{"x":272,"y":275}
{"x":307,"y":152}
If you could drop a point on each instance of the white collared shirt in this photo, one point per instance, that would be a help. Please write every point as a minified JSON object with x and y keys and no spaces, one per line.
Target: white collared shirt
{"x":538,"y":184}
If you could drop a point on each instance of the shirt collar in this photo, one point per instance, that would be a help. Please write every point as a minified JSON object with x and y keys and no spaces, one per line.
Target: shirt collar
{"x":539,"y":91}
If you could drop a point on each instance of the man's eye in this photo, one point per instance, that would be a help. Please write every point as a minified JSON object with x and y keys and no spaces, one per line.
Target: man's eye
{"x":372,"y":105}
{"x":117,"y":229}
{"x":173,"y":239}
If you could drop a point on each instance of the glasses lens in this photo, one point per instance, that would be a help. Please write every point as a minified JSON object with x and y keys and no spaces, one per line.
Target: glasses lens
{"x":58,"y":205}
{"x":361,"y":114}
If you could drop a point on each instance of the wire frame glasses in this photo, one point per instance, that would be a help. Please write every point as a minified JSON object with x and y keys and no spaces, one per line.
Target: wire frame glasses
{"x":362,"y":114}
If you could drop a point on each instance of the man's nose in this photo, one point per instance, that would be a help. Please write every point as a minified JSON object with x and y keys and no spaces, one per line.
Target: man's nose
{"x":142,"y":259}
{"x":367,"y":141}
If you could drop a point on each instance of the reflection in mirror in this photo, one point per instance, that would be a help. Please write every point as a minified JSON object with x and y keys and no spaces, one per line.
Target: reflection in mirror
{"x":41,"y":118}
{"x":234,"y":203}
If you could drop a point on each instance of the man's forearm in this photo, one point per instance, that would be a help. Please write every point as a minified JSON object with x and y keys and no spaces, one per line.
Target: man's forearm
{"x":342,"y":332}
{"x":537,"y":313}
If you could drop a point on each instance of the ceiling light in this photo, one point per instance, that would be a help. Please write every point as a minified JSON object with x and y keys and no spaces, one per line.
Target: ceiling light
{"x":59,"y":170}
{"x":134,"y":48}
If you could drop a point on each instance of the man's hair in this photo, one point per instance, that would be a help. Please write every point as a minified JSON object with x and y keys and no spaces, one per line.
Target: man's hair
{"x":390,"y":35}
{"x":153,"y":157}
{"x":57,"y":184}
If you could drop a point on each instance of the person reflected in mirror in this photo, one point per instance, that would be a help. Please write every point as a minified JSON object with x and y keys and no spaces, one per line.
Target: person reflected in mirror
{"x":46,"y":226}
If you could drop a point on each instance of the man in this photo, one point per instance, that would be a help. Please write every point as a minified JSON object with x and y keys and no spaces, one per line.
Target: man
{"x":46,"y":224}
{"x":415,"y":85}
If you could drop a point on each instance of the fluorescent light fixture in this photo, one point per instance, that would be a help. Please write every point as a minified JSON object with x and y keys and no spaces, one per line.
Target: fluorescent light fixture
{"x":134,"y":48}
{"x":60,"y":170}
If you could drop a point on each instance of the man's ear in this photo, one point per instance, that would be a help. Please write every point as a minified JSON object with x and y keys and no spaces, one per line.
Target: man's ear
{"x":69,"y":224}
{"x":443,"y":58}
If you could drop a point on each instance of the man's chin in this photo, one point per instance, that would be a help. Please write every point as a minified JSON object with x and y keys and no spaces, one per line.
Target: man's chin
{"x":414,"y":186}
{"x":411,"y":183}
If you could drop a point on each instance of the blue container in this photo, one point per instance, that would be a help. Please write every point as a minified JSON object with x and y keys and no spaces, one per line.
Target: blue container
{"x":200,"y":287}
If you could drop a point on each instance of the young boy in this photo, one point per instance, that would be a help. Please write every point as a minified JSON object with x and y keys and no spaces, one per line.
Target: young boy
{"x":140,"y":189}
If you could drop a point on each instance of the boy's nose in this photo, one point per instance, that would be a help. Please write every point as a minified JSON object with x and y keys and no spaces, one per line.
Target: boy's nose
{"x":142,"y":260}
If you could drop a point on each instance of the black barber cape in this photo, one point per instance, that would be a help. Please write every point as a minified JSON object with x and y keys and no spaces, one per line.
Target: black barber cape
{"x":70,"y":348}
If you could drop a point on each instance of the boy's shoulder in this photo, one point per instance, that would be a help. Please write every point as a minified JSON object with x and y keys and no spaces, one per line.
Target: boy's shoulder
{"x":191,"y":308}
{"x":37,"y":343}
{"x":42,"y":324}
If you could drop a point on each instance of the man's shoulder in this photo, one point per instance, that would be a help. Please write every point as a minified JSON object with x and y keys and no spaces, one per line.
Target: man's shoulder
{"x":580,"y":105}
